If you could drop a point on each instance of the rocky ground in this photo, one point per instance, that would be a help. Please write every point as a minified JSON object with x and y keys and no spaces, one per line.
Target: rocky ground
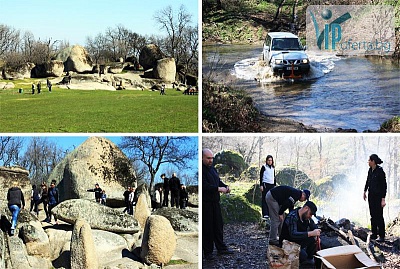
{"x":250,"y":243}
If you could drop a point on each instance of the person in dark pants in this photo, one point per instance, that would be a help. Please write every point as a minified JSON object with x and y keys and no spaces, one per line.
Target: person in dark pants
{"x":298,"y":227}
{"x":16,"y":202}
{"x":98,"y":192}
{"x":183,"y":197}
{"x":166,"y":190}
{"x":174,"y":185}
{"x":278,"y":200}
{"x":39,"y":87}
{"x":267,"y":182}
{"x":33,"y":88}
{"x":126,"y":199}
{"x":53,"y":200}
{"x":376,"y":187}
{"x":212,"y":223}
{"x":45,"y":200}
{"x":35,"y":199}
{"x":49,"y":84}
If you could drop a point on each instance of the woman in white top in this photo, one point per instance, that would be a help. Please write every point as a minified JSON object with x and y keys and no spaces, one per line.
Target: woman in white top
{"x":267,"y":182}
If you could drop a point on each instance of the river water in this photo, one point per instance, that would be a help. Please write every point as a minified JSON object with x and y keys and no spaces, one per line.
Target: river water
{"x":350,"y":93}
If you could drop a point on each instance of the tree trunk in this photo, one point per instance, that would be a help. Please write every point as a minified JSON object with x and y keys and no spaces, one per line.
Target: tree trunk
{"x":278,"y":11}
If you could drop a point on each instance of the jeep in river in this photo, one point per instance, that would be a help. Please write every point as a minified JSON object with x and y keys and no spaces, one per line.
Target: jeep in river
{"x":285,"y":55}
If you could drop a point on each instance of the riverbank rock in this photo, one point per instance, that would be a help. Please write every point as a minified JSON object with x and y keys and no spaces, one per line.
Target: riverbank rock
{"x":142,"y":211}
{"x":182,"y":220}
{"x":83,"y":254}
{"x":159,"y":241}
{"x":97,"y":160}
{"x":98,"y":216}
{"x":149,"y":55}
{"x":165,"y":70}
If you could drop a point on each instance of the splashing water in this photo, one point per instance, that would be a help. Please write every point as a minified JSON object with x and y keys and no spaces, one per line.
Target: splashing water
{"x":257,"y":69}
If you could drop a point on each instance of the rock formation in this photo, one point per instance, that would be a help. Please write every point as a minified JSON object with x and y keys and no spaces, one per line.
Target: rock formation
{"x":7,"y":176}
{"x":23,"y":72}
{"x":98,"y":216}
{"x":54,"y":68}
{"x":76,"y":59}
{"x":142,"y":211}
{"x":97,"y":160}
{"x":83,"y":254}
{"x":149,"y":55}
{"x":159,"y":241}
{"x":165,"y":70}
{"x":182,"y":220}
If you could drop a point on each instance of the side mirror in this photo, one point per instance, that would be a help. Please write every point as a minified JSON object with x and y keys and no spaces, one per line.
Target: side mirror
{"x":305,"y":47}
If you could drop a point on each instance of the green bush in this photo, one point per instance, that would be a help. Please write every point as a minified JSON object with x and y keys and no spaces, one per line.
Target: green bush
{"x":231,"y":162}
{"x":236,"y":208}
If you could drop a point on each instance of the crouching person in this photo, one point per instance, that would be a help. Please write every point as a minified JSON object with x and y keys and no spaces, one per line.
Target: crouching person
{"x":298,"y":227}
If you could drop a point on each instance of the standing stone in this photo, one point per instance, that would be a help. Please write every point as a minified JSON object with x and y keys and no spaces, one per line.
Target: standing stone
{"x":159,"y":241}
{"x":75,"y":59}
{"x":142,"y":211}
{"x":83,"y":253}
{"x":165,"y":70}
{"x":149,"y":55}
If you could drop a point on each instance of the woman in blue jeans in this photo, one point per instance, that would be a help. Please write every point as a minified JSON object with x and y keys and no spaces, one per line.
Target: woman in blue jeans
{"x":16,"y":202}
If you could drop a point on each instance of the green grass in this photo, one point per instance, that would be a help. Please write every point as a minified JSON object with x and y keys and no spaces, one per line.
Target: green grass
{"x":96,"y":111}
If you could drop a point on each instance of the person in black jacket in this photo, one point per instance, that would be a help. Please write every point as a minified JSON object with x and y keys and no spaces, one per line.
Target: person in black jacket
{"x":16,"y":202}
{"x":175,"y":186}
{"x":183,"y":197}
{"x":376,"y":187}
{"x":166,"y":190}
{"x":278,"y":200}
{"x":212,"y":223}
{"x":98,"y":192}
{"x":298,"y":227}
{"x":267,"y":182}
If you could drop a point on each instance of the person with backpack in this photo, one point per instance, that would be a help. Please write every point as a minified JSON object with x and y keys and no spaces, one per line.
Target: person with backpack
{"x":16,"y":202}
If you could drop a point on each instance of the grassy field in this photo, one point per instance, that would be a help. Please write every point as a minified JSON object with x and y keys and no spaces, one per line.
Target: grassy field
{"x":96,"y":111}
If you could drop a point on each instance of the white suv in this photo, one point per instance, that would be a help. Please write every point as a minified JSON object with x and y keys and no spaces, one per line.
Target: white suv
{"x":285,"y":55}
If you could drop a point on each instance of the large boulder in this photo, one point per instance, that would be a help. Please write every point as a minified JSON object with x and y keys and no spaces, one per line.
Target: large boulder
{"x":7,"y":176}
{"x":75,"y":59}
{"x":149,"y":55}
{"x":109,"y":246}
{"x":24,"y":71}
{"x":159,"y":241}
{"x":165,"y":70}
{"x":142,"y":211}
{"x":83,"y":254}
{"x":97,"y":160}
{"x":54,"y":68}
{"x":60,"y":245}
{"x":6,"y":85}
{"x":36,"y":240}
{"x":182,"y":220}
{"x":98,"y":216}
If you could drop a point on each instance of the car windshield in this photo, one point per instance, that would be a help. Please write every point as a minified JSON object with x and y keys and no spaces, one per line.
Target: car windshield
{"x":286,"y":44}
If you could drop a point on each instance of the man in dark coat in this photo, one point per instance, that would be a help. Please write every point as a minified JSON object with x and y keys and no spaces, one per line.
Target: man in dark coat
{"x":175,"y":186}
{"x":16,"y":202}
{"x":278,"y":200}
{"x":166,"y":190}
{"x":298,"y":227}
{"x":97,"y":192}
{"x":212,"y":223}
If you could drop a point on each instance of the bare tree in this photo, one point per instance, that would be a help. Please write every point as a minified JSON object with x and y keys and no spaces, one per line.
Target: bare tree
{"x":175,"y":25}
{"x":10,"y":148}
{"x":9,"y":39}
{"x":153,"y":151}
{"x":40,"y":158}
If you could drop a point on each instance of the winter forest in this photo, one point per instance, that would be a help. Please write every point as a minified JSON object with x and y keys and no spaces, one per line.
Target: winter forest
{"x":334,"y":168}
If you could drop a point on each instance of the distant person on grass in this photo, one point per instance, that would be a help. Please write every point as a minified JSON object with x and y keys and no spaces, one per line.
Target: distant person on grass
{"x":33,"y":88}
{"x":212,"y":224}
{"x":49,"y":85}
{"x":16,"y":202}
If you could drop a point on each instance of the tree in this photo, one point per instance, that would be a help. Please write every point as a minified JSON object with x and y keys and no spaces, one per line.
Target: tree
{"x":153,"y":151}
{"x":9,"y":39}
{"x":40,"y":158}
{"x":175,"y":25}
{"x":10,"y":147}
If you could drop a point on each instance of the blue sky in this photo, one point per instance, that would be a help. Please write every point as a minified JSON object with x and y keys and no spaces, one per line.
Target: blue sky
{"x":74,"y":20}
{"x":71,"y":142}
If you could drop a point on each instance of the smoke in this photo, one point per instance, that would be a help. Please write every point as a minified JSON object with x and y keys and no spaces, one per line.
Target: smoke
{"x":347,"y":201}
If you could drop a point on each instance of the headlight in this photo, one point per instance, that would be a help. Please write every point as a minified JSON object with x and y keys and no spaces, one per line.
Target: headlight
{"x":305,"y":61}
{"x":278,"y":61}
